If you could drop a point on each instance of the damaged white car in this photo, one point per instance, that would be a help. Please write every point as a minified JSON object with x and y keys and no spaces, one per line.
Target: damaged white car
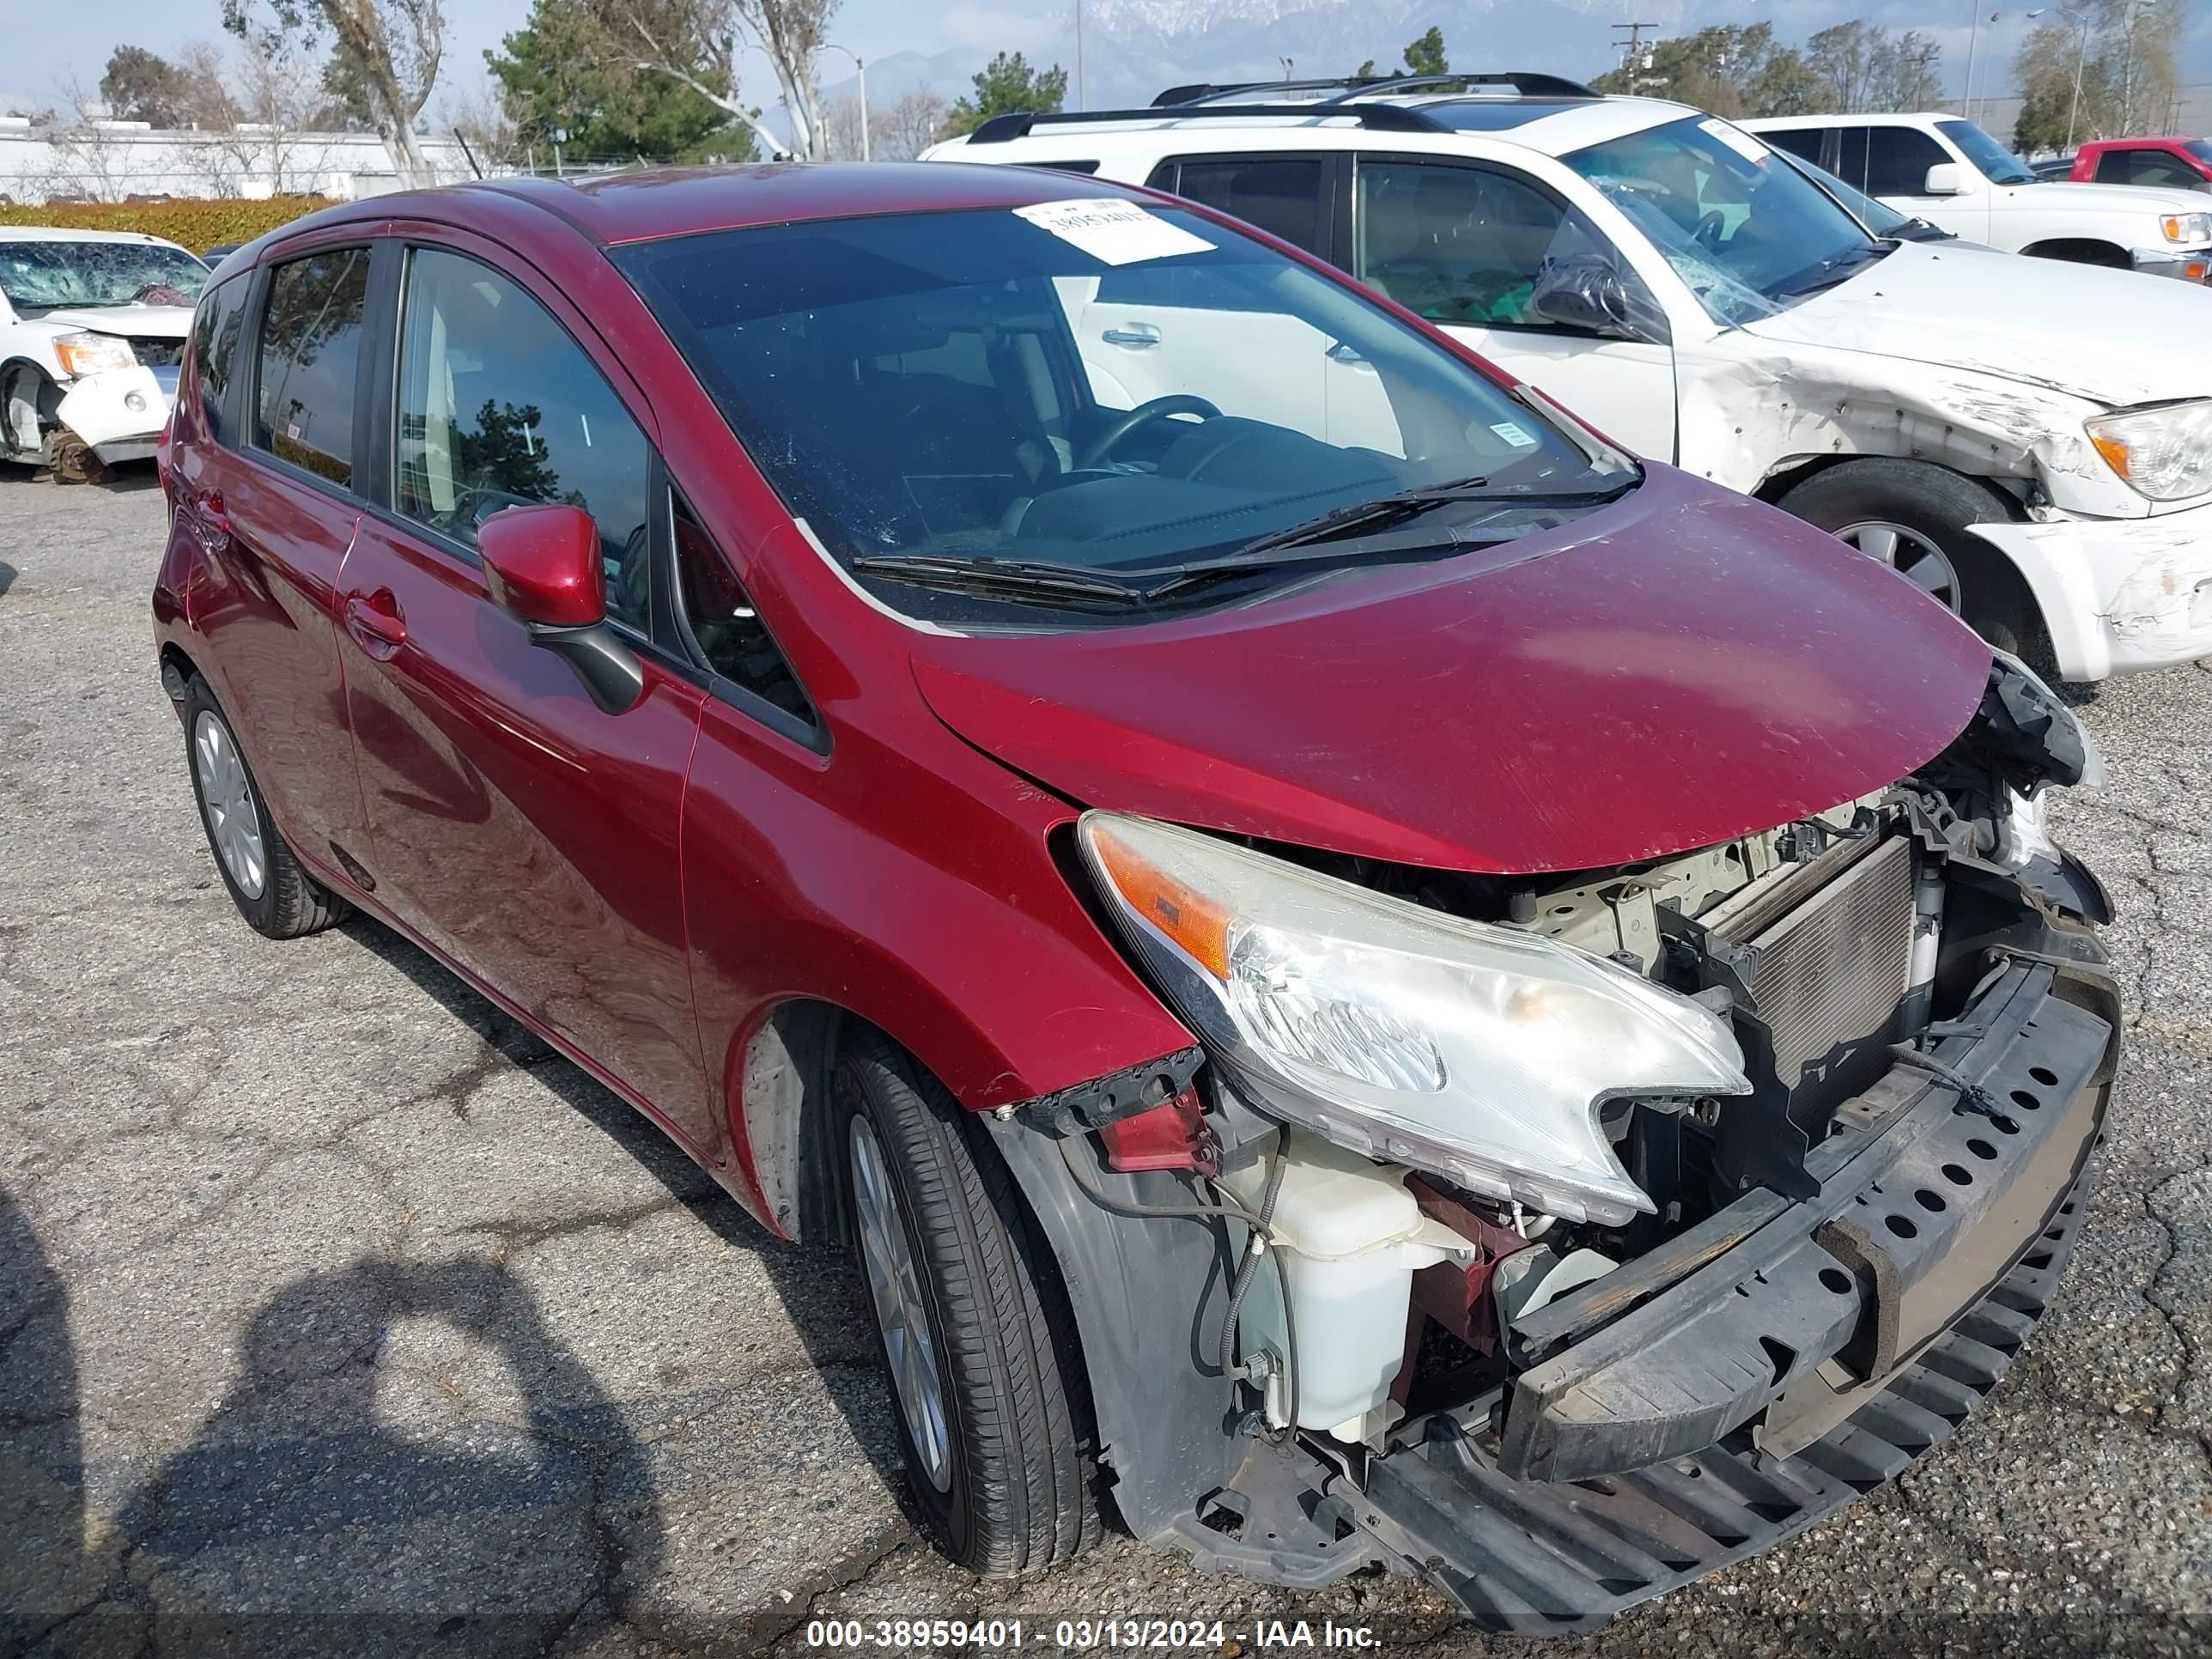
{"x":2029,"y":440}
{"x":92,"y":328}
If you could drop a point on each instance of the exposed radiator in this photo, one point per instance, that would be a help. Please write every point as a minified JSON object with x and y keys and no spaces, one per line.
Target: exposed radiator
{"x":1827,"y":976}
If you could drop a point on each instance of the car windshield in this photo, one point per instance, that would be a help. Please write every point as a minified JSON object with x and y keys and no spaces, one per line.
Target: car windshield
{"x":2197,"y":147}
{"x":36,"y":275}
{"x":1093,"y":394}
{"x":1744,"y":230}
{"x":1997,"y":163}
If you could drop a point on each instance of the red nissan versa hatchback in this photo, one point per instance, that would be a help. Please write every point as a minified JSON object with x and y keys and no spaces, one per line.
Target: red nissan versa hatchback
{"x":1374,"y":983}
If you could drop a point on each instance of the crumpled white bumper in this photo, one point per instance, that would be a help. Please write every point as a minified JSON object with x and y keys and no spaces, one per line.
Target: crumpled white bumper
{"x":119,"y":412}
{"x":2118,"y":595}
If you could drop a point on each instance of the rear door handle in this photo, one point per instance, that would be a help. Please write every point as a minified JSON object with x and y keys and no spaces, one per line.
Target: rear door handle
{"x":1137,"y":336}
{"x":375,"y":622}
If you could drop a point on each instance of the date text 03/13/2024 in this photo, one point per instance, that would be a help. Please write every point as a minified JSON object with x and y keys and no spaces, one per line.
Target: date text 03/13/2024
{"x":1088,"y":1635}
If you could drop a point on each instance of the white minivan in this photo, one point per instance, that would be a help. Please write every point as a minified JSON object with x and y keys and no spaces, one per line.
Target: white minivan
{"x":2029,"y":441}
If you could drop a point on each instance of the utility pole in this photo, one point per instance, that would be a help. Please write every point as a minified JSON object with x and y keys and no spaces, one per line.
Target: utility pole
{"x":1078,"y":54}
{"x":1634,"y":57}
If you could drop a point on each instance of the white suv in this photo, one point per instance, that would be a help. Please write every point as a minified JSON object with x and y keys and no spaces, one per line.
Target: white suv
{"x":2030,"y":441}
{"x":1953,"y":174}
{"x":92,"y":328}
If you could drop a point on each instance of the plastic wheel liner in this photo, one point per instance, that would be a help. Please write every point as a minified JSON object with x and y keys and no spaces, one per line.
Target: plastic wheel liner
{"x":1708,"y":1401}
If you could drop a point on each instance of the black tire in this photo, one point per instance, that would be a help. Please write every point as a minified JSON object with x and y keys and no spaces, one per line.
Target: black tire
{"x":288,"y":902}
{"x":1938,"y":505}
{"x":1018,"y":1465}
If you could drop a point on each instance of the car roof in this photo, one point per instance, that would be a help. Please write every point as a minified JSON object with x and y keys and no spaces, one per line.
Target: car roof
{"x":1551,"y":125}
{"x":61,"y":234}
{"x":1880,"y":118}
{"x":648,"y":203}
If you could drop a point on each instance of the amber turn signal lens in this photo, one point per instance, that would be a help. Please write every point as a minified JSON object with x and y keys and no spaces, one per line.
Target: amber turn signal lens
{"x":1198,"y":925}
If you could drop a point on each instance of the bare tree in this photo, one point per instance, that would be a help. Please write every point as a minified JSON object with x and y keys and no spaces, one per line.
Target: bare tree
{"x":393,"y":47}
{"x":258,"y":113}
{"x":89,"y":158}
{"x":478,"y":114}
{"x":695,"y":42}
{"x":910,"y":126}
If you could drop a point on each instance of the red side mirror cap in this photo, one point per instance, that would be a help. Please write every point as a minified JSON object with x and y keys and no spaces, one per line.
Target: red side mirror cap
{"x":543,"y":565}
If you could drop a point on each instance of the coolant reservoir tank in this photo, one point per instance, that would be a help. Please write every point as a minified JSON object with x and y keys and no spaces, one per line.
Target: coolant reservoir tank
{"x":1349,"y":1236}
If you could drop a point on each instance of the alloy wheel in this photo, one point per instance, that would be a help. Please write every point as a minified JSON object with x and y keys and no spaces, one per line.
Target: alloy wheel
{"x":902,"y":1311}
{"x":233,"y":821}
{"x":1909,"y":553}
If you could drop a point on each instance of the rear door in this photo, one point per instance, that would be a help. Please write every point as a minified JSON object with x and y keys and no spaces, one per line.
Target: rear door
{"x":1466,"y":244}
{"x":269,"y":483}
{"x":518,"y":826}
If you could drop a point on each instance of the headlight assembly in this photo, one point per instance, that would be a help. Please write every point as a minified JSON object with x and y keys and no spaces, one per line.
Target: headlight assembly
{"x":1479,"y":1051}
{"x":86,"y":353}
{"x":2164,"y":453}
{"x":2187,"y":226}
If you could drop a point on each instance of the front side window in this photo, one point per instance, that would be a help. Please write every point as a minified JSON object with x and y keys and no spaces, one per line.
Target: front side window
{"x":944,"y":395}
{"x":499,"y":407}
{"x":1995,"y":162}
{"x":37,"y":275}
{"x":1476,"y":246}
{"x":2147,"y":167}
{"x":215,"y":331}
{"x":1282,"y":195}
{"x":311,"y":330}
{"x":1745,"y":231}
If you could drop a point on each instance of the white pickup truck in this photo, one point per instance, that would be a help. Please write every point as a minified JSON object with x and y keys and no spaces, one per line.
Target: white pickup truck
{"x":1958,"y":179}
{"x":92,"y":328}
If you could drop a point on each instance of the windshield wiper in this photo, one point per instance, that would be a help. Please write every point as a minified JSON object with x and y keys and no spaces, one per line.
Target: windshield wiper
{"x":1009,"y":578}
{"x":1382,"y":512}
{"x":1829,"y":272}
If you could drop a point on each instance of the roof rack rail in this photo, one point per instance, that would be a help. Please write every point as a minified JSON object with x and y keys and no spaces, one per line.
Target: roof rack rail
{"x":1383,"y":118}
{"x":1529,"y":83}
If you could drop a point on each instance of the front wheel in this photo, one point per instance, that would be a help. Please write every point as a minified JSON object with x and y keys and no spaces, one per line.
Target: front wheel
{"x":1915,"y":516}
{"x":971,"y":1322}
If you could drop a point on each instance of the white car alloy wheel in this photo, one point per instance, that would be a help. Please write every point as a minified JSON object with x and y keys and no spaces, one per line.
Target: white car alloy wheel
{"x":902,"y":1311}
{"x":233,"y":820}
{"x":1908,"y":552}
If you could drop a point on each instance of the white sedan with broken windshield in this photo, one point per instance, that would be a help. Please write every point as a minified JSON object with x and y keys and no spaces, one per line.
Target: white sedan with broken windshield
{"x":2029,"y":441}
{"x":92,"y":329}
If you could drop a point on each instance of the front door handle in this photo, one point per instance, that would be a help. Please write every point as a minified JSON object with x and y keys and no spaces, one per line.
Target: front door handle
{"x":375,"y":622}
{"x":1136,"y":337}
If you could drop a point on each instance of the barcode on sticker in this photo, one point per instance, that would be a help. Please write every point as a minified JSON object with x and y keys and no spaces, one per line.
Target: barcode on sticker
{"x":1514,"y":433}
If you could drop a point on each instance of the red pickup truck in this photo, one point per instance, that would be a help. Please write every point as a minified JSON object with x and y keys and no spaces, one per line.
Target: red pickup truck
{"x":2186,"y":163}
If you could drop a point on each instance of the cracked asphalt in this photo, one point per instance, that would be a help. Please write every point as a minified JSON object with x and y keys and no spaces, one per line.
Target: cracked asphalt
{"x":338,"y":1316}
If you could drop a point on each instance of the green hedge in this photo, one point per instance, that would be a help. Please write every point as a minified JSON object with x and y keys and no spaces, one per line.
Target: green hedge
{"x":197,"y":225}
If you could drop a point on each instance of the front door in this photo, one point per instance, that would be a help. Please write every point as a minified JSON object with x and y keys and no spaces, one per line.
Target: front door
{"x":523,"y":830}
{"x":1466,"y":246}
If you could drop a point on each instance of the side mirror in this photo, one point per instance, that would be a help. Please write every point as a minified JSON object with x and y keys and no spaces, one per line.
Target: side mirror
{"x":543,"y":567}
{"x":1586,"y":292}
{"x":1945,"y":179}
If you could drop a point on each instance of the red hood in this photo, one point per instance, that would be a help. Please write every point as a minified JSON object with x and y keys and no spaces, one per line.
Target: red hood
{"x":1681,"y":667}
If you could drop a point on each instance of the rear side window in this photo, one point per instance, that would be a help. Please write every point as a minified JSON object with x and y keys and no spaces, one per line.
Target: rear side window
{"x":499,"y":407}
{"x":1889,"y":161}
{"x":311,"y":333}
{"x":215,"y":329}
{"x":1803,"y":143}
{"x":1282,"y":195}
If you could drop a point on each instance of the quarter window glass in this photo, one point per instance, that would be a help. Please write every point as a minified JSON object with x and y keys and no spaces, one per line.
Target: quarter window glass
{"x":730,"y":634}
{"x":215,"y":347}
{"x":1889,"y":161}
{"x":499,"y":407}
{"x":1465,"y":245}
{"x":310,"y":338}
{"x":1281,"y":197}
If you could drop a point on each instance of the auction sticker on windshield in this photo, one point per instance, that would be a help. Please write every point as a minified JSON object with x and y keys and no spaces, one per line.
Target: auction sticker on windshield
{"x":1736,"y":139}
{"x":1114,"y":233}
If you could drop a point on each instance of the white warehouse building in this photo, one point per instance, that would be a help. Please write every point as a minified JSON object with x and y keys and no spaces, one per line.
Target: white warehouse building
{"x":114,"y":161}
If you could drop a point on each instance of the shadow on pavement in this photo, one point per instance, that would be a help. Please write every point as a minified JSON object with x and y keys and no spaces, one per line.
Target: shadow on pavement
{"x":315,"y":1513}
{"x":7,"y":576}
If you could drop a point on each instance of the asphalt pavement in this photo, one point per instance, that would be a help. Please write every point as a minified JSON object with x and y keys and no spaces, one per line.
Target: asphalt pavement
{"x":338,"y":1316}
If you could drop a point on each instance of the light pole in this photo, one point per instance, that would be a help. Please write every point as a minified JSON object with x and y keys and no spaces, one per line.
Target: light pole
{"x":1078,"y":54}
{"x":860,"y":69}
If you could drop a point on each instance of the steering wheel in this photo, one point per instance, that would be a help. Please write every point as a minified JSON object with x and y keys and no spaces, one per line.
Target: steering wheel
{"x":1708,"y":233}
{"x":1156,"y":409}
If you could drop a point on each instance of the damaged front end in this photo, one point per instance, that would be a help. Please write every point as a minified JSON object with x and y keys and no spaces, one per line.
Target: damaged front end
{"x":1562,"y":1239}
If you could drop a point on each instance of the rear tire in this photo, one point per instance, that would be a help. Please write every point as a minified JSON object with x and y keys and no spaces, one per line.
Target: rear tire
{"x":278,"y":899}
{"x":1934,"y":507}
{"x":1001,"y":1469}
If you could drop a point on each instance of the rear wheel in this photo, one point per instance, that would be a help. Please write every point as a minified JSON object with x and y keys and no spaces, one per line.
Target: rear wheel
{"x":971,"y":1321}
{"x":271,"y":891}
{"x":1915,"y":516}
